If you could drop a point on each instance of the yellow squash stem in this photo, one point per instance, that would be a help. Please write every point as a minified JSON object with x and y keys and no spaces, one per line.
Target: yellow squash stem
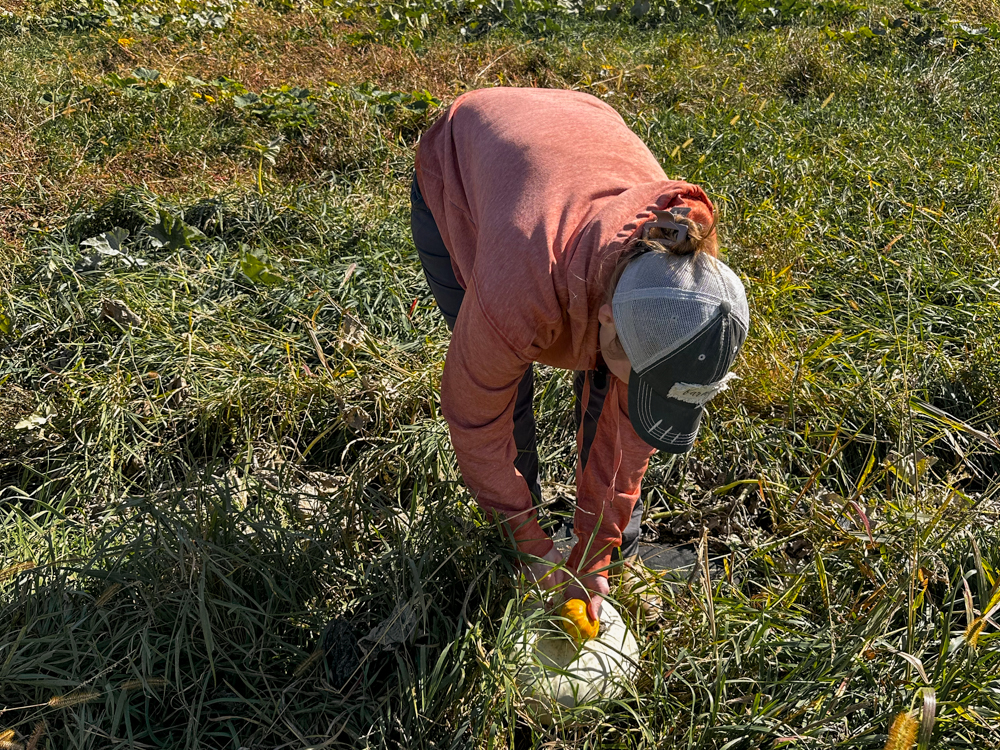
{"x":577,"y":621}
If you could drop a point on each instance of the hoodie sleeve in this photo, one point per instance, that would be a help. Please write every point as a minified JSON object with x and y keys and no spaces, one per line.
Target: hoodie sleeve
{"x":608,"y":488}
{"x":478,"y":393}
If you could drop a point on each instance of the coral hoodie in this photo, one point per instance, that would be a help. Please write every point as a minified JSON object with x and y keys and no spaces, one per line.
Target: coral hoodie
{"x":535,"y":193}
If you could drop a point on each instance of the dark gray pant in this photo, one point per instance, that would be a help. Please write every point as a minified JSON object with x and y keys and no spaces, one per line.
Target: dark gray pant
{"x":446,"y":290}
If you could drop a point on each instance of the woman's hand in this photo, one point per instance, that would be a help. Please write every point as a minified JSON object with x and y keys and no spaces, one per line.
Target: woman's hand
{"x":591,"y":589}
{"x":544,"y":572}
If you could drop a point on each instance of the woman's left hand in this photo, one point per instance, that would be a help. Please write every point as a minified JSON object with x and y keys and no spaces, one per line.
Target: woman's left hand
{"x":546,"y":572}
{"x":592,"y":589}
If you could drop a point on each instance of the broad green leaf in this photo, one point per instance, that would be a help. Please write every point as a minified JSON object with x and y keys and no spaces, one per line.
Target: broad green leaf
{"x":258,"y":270}
{"x":116,"y":81}
{"x":272,"y":149}
{"x":146,"y":74}
{"x":6,"y":324}
{"x":245,"y":100}
{"x":172,"y":233}
{"x":108,"y":243}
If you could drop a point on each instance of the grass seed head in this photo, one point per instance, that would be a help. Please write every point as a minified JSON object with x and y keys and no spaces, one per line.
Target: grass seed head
{"x":304,"y":667}
{"x":8,"y":573}
{"x":903,"y":733}
{"x":109,"y":592}
{"x":74,"y":699}
{"x":973,"y":631}
{"x":137,"y":684}
{"x":36,"y":735}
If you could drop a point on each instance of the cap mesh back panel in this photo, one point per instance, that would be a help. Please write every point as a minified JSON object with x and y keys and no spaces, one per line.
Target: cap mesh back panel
{"x":651,"y":327}
{"x":651,"y":322}
{"x":658,"y":270}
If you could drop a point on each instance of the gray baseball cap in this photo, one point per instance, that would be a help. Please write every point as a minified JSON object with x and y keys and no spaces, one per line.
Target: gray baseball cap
{"x":681,"y":320}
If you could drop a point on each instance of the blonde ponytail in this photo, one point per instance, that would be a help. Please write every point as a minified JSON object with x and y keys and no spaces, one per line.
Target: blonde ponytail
{"x":699,"y":238}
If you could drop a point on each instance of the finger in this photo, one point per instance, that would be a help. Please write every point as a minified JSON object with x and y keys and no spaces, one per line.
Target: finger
{"x":598,"y":584}
{"x":594,"y":606}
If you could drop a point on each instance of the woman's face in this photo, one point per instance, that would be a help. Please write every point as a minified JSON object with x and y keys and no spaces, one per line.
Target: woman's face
{"x":614,"y":355}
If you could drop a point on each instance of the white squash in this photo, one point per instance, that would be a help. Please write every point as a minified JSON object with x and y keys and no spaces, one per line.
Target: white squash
{"x":555,"y":673}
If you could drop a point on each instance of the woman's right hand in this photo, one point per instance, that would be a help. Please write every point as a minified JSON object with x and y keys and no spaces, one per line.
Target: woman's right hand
{"x":544,"y":571}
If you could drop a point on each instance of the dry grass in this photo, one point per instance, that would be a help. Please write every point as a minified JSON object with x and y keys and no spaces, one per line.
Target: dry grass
{"x":273,"y":60}
{"x":979,"y":11}
{"x":317,"y":54}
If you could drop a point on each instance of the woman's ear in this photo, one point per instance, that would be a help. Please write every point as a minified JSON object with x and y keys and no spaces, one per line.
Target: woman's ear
{"x":605,"y":316}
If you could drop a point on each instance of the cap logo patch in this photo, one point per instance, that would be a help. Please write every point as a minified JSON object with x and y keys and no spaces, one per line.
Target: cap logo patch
{"x":698,"y":394}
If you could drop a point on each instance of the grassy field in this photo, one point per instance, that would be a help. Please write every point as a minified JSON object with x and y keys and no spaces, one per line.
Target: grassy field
{"x":222,"y":463}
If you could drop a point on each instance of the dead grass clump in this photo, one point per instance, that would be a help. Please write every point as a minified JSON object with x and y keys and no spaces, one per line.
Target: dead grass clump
{"x":14,"y":223}
{"x":319,"y":156}
{"x":20,"y":160}
{"x":263,"y":23}
{"x":19,"y":155}
{"x":978,"y":11}
{"x":161,"y":171}
{"x":314,"y":62}
{"x":532,"y":65}
{"x":116,"y":57}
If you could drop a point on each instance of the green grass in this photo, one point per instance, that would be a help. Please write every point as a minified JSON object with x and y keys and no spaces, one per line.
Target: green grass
{"x":213,"y":504}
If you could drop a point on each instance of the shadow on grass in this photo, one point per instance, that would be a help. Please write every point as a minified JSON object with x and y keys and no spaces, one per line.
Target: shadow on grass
{"x":226,"y":612}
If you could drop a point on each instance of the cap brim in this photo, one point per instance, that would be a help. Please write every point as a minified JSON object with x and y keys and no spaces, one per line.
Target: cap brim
{"x":666,"y":424}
